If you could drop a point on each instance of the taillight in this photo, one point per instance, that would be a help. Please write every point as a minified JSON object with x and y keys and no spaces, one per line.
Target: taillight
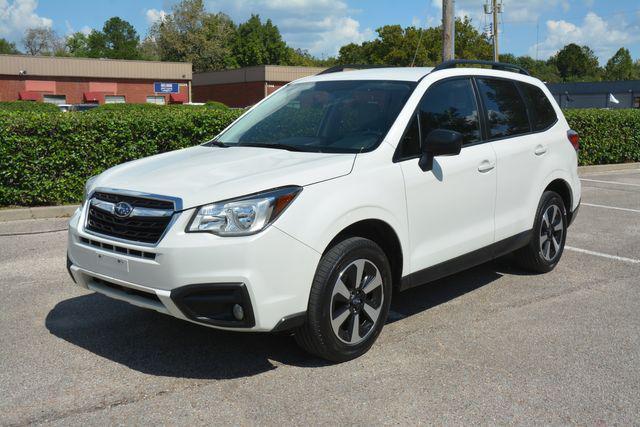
{"x":574,"y":139}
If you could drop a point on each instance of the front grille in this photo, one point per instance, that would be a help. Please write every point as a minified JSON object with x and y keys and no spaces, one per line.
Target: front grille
{"x":145,"y":229}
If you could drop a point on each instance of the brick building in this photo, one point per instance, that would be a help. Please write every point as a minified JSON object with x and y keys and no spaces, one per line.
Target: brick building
{"x":245,"y":86}
{"x":81,"y":80}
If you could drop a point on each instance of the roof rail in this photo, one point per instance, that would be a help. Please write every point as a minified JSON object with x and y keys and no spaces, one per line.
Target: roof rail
{"x":494,"y":65}
{"x":338,"y":68}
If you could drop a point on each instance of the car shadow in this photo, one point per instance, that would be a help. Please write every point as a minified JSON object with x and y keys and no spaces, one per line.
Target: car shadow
{"x":157,"y":344}
{"x":425,"y":297}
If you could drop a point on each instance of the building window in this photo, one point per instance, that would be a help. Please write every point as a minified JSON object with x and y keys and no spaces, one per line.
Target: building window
{"x":156,"y":100}
{"x":114,"y":99}
{"x":55,"y":99}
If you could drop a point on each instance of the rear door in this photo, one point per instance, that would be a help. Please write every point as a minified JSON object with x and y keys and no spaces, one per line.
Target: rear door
{"x":518,"y":138}
{"x":450,"y":209}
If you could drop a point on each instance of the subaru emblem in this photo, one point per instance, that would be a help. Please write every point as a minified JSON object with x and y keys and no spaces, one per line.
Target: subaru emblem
{"x":122,"y":209}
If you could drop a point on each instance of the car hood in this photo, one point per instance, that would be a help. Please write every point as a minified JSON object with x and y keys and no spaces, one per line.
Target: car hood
{"x":202,"y":174}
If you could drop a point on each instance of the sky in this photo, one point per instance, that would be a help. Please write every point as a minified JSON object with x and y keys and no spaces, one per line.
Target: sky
{"x":529,"y":27}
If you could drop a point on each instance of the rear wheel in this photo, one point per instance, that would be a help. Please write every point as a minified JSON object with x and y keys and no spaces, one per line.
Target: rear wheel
{"x":349,"y":301}
{"x":549,"y":235}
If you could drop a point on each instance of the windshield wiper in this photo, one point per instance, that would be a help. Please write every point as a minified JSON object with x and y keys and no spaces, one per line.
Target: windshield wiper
{"x":216,"y":143}
{"x":278,"y":146}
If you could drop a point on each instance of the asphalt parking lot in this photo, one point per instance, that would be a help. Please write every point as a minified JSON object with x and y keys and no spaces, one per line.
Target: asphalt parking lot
{"x":490,"y":345}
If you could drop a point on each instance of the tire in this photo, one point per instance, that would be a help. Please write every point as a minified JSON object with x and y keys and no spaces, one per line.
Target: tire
{"x":362,"y":267}
{"x":545,"y":249}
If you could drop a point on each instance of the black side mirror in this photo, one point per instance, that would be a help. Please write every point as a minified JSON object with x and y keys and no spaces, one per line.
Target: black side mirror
{"x":439,"y":142}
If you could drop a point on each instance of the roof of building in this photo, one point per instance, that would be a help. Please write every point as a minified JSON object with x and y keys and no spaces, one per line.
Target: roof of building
{"x":618,"y":86}
{"x":276,"y":73}
{"x":259,"y":73}
{"x":89,"y":67}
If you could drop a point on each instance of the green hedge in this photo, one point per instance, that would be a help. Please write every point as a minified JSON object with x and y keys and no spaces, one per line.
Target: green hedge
{"x":46,"y":158}
{"x":606,"y":136}
{"x":28,"y":106}
{"x":215,"y":105}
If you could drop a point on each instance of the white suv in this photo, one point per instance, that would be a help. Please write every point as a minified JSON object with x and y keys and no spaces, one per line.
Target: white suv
{"x":309,"y":210}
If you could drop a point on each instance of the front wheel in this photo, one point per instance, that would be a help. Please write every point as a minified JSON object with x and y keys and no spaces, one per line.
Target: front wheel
{"x":349,"y":301}
{"x":548,"y":235}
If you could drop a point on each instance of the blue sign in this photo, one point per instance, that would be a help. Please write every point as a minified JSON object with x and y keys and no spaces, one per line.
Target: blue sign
{"x":159,"y":87}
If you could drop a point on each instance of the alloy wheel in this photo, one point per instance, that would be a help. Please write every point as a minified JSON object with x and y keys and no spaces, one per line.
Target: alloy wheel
{"x":551,"y":233}
{"x":356,"y":301}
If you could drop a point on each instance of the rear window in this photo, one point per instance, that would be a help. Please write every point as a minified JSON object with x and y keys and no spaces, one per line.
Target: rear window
{"x":506,"y":110}
{"x":542,"y":113}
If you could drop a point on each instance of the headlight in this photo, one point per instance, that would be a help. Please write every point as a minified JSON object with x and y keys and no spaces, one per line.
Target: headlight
{"x":242,"y":216}
{"x":87,"y":187}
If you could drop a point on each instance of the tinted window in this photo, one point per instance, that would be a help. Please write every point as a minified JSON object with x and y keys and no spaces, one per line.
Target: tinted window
{"x":410,"y":144}
{"x":506,"y":111}
{"x":451,"y":105}
{"x":542,"y":113}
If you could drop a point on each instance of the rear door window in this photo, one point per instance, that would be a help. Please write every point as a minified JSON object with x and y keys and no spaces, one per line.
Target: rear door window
{"x":541,"y":111}
{"x":505,"y":108}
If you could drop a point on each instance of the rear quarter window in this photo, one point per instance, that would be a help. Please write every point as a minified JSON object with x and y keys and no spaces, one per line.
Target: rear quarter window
{"x":541,"y":111}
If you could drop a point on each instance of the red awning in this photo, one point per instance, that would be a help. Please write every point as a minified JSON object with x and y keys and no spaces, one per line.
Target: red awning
{"x":29,"y":96}
{"x":179,"y":98}
{"x":93,"y":96}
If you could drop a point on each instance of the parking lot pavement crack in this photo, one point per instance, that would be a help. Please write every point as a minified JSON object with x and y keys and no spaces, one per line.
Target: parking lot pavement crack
{"x":58,"y":416}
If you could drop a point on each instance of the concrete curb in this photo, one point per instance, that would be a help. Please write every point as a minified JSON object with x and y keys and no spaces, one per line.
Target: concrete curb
{"x":608,"y":168}
{"x":67,"y":210}
{"x":37,"y":213}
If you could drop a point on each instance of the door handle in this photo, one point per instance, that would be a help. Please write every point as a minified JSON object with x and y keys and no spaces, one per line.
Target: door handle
{"x":485,"y":166}
{"x":540,"y":150}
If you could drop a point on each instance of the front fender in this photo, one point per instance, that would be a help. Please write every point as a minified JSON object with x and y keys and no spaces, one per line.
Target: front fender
{"x":323,"y":210}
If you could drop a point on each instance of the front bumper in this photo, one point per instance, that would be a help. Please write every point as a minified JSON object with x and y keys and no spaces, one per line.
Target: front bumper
{"x":269,"y":273}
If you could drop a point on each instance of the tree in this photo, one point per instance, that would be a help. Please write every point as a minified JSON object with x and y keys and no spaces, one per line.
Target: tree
{"x":257,"y":44}
{"x":78,"y":45}
{"x":40,"y":41}
{"x":413,"y":46}
{"x":6,"y":47}
{"x":577,"y":63}
{"x":117,"y":40}
{"x":148,"y":50}
{"x":189,"y":33}
{"x":544,"y":70}
{"x":620,"y":66}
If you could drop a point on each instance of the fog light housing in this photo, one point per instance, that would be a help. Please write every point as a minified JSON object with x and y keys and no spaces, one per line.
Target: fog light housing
{"x":238,"y":312}
{"x":219,"y":304}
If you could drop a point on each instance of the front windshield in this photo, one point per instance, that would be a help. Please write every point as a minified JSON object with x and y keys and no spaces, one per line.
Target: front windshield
{"x":347,"y":116}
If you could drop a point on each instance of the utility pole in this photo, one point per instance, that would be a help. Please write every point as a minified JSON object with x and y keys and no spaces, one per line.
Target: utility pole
{"x":494,"y":8}
{"x":448,"y":30}
{"x":495,"y":30}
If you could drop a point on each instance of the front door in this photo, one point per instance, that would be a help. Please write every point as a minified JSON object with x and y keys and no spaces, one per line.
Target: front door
{"x":450,"y":208}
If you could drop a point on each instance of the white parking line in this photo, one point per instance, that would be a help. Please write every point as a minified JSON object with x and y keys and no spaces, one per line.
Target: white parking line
{"x":600,"y":254}
{"x":610,"y":207}
{"x":609,"y":182}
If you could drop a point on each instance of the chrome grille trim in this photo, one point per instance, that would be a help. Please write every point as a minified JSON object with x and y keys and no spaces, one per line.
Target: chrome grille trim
{"x":137,"y":212}
{"x":176,"y":201}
